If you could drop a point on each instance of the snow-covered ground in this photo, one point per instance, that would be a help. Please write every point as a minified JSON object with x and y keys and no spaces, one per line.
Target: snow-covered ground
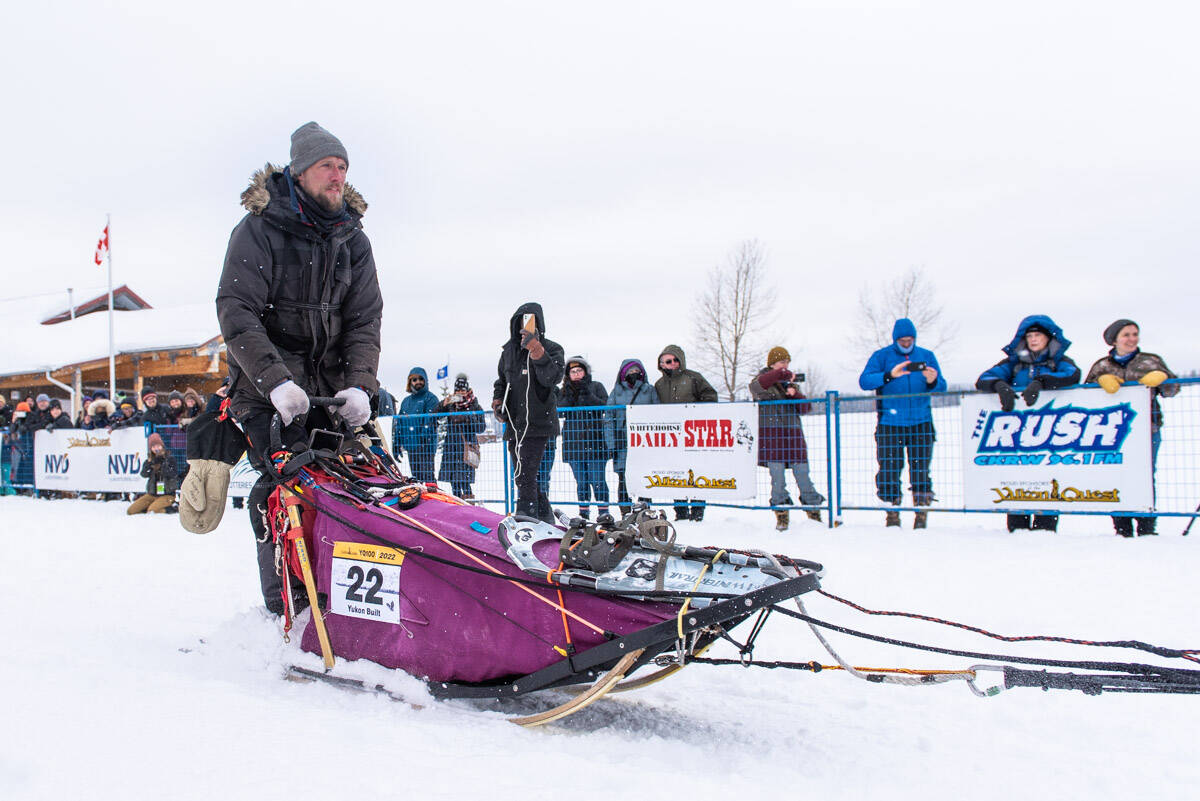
{"x":139,"y":663}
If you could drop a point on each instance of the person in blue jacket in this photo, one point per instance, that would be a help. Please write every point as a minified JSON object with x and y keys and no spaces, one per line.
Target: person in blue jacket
{"x":631,"y":389}
{"x":1035,"y":360}
{"x":903,"y":375}
{"x":417,"y":425}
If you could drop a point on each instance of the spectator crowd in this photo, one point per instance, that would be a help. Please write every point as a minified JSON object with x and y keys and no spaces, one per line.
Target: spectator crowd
{"x":553,"y":403}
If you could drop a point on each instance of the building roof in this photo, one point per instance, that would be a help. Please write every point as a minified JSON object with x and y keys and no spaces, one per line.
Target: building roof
{"x":124,"y":299}
{"x":31,"y":347}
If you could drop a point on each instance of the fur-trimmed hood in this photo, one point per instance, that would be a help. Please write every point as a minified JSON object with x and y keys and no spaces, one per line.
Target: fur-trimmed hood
{"x":102,"y":406}
{"x":257,"y":196}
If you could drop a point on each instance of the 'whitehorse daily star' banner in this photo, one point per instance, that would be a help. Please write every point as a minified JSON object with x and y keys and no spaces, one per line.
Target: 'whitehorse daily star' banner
{"x":707,"y":451}
{"x":1075,"y":450}
{"x":90,"y":461}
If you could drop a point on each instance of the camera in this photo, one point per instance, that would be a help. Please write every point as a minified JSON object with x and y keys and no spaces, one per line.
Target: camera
{"x":798,"y":378}
{"x":916,"y":367}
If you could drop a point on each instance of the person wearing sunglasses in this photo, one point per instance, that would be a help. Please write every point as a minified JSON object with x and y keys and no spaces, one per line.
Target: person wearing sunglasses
{"x":681,"y":385}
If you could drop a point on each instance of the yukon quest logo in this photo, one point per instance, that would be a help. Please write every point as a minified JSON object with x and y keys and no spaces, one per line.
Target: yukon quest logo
{"x":1056,"y":495}
{"x":1068,"y":436}
{"x":693,"y":481}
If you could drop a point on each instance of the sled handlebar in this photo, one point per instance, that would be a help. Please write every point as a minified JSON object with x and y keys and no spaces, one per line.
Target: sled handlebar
{"x":277,"y":421}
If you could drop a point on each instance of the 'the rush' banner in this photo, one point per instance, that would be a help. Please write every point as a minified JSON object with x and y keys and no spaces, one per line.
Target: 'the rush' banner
{"x":1074,"y":450}
{"x":706,"y":451}
{"x":90,"y":461}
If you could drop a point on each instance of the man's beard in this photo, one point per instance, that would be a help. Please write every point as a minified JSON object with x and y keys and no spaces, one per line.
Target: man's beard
{"x":328,"y":203}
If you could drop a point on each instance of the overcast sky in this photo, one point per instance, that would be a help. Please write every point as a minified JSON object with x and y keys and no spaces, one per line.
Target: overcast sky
{"x":600,"y":158}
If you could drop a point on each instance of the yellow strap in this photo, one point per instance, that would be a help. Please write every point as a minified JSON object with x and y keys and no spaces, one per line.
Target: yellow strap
{"x":687,"y":601}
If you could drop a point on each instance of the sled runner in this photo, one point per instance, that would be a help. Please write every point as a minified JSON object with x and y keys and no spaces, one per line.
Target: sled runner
{"x":487,"y":606}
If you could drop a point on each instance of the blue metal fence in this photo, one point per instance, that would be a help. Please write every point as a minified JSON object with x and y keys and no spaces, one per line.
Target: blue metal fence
{"x":580,"y":467}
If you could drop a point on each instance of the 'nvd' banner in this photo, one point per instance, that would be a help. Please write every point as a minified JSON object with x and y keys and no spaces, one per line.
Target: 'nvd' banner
{"x":706,"y":451}
{"x":1075,"y":450}
{"x":90,"y":461}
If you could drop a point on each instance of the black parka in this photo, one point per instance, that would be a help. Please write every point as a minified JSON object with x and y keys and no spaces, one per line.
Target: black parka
{"x":585,"y":436}
{"x":529,"y":406}
{"x":293,"y":304}
{"x":160,"y":468}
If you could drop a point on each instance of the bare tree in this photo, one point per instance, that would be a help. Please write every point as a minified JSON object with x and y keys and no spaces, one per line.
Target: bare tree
{"x":912,"y":295}
{"x":731,"y":314}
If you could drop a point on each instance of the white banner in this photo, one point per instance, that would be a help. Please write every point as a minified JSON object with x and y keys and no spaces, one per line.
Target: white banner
{"x":706,"y":451}
{"x":242,"y":477}
{"x":1075,"y":450}
{"x":90,"y":461}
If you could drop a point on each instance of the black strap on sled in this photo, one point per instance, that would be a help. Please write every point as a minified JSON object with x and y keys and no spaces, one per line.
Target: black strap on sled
{"x":594,"y":546}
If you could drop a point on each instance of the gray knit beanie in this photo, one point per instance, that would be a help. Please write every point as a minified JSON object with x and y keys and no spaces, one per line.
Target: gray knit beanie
{"x":310,"y":144}
{"x":1110,"y":333}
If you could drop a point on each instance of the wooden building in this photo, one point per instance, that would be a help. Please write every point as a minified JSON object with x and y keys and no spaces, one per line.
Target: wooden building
{"x":168,"y":349}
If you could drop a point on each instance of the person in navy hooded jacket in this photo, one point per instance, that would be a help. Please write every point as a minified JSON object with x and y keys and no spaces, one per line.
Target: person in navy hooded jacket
{"x":902,"y":375}
{"x":418,"y":428}
{"x":631,"y":389}
{"x":1035,"y":360}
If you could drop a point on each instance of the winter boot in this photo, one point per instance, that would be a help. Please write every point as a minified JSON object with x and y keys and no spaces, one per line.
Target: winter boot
{"x":1045,"y":523}
{"x":543,"y":510}
{"x":893,"y":520}
{"x":1017,"y":521}
{"x":919,"y":519}
{"x":781,"y":519}
{"x":1123,"y":526}
{"x":813,"y":514}
{"x":697,"y":513}
{"x":1145,"y":526}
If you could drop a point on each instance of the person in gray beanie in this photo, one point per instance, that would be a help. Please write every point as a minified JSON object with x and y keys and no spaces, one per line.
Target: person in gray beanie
{"x":299,"y":306}
{"x":311,"y":143}
{"x":1126,"y":362}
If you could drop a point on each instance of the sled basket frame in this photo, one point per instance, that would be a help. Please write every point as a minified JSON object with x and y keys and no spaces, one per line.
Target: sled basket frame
{"x":587,"y":666}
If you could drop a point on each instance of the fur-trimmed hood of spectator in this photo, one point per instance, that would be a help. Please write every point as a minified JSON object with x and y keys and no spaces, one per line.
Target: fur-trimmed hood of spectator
{"x":582,"y":362}
{"x":257,"y":196}
{"x":102,"y":406}
{"x":195,"y":397}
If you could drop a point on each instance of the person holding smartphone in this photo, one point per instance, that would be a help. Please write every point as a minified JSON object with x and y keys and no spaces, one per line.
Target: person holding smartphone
{"x":903,"y":375}
{"x":524,"y":398}
{"x":781,"y":443}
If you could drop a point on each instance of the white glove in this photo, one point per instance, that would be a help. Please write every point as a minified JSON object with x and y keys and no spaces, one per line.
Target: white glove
{"x":290,"y":401}
{"x":357,"y":408}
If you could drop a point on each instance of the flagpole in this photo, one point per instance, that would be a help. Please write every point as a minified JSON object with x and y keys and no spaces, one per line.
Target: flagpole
{"x":112,"y":356}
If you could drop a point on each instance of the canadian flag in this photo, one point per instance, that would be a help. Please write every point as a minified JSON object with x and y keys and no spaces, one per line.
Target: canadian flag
{"x":102,"y":247}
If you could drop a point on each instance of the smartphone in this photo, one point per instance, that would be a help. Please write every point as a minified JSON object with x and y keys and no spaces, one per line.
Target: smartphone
{"x":529,"y":323}
{"x":916,"y":367}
